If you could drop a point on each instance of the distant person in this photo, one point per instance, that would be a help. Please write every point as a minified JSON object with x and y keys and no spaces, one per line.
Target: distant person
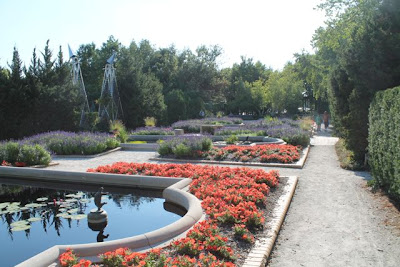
{"x":318,"y":121}
{"x":326,"y":120}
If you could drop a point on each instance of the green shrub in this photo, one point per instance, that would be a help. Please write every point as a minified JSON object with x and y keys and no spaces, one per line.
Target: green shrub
{"x":33,"y":155}
{"x":119,"y":130}
{"x":232,"y":139}
{"x":346,"y":157}
{"x":150,"y":121}
{"x":384,"y":141}
{"x":185,"y":146}
{"x":12,"y":151}
{"x":206,"y":144}
{"x":29,"y":154}
{"x":302,"y":139}
{"x":182,"y":151}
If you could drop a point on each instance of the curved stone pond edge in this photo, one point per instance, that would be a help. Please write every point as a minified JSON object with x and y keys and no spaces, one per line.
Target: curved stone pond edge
{"x":297,"y":165}
{"x":174,"y":190}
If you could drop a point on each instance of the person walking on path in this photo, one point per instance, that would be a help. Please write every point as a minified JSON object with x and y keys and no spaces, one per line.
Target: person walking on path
{"x":326,"y":120}
{"x":318,"y":121}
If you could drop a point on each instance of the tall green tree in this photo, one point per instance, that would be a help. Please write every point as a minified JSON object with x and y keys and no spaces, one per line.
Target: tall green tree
{"x":360,"y":48}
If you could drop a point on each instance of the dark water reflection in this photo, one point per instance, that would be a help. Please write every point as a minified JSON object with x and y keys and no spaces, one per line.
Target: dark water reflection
{"x":130,"y":212}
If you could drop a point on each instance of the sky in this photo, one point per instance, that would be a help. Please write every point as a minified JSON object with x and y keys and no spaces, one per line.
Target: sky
{"x":269,"y":31}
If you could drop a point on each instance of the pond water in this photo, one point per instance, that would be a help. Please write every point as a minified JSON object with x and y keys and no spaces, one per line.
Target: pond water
{"x":35,"y":217}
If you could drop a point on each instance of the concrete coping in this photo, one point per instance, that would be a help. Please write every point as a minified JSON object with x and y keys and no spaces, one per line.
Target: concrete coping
{"x":174,"y":190}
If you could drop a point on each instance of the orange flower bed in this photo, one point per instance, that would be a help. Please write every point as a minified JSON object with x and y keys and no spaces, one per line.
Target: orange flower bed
{"x":258,"y":153}
{"x":230,"y":197}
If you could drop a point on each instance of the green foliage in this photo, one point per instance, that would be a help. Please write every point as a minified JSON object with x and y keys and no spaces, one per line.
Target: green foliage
{"x":359,"y":52}
{"x":301,"y":138}
{"x":285,"y":91}
{"x":182,"y":151}
{"x":103,"y":124}
{"x":346,"y":157}
{"x":176,"y":106}
{"x":306,"y":123}
{"x":185,"y":146}
{"x":13,"y":152}
{"x":233,"y":139}
{"x":165,"y":149}
{"x":384,"y":140}
{"x":33,"y":155}
{"x":119,"y":130}
{"x":150,"y":122}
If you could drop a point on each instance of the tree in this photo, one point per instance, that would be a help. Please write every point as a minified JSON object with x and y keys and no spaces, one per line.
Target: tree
{"x":46,"y":71}
{"x":285,"y":91}
{"x":176,"y":106}
{"x":360,"y":48}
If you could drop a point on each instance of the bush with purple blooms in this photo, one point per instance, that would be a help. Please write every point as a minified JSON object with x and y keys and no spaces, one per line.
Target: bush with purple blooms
{"x":69,"y":143}
{"x":185,"y":146}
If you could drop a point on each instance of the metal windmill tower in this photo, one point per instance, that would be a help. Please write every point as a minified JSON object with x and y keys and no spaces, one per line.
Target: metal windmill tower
{"x":110,"y":104}
{"x":77,"y":80}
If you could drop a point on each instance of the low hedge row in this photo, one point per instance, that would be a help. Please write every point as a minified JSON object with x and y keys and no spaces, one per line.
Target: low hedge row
{"x":384,"y":141}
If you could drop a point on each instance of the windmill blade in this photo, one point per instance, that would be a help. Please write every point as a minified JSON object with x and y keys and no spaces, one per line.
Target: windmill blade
{"x":71,"y":53}
{"x":111,"y":59}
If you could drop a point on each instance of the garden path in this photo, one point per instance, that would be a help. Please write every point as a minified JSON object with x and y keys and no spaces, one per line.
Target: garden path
{"x":334,"y":220}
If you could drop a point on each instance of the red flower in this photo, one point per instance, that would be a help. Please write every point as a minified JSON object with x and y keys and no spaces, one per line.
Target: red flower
{"x":20,"y":164}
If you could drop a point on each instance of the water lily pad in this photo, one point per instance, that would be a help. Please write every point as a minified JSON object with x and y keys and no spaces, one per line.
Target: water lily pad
{"x":85,"y":200}
{"x":71,"y":200}
{"x":21,"y":228}
{"x":42,"y":199}
{"x":62,"y":214}
{"x":4,"y":205}
{"x":18,"y":223}
{"x":12,"y":210}
{"x":78,"y":216}
{"x":62,"y":209}
{"x":66,"y":216}
{"x":33,"y":205}
{"x":34,"y":219}
{"x":3,"y":212}
{"x":72,"y":211}
{"x":79,"y":194}
{"x":15,"y":203}
{"x":70,"y":195}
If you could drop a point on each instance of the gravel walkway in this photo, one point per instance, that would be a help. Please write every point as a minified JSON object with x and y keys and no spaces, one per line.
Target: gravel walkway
{"x":333,"y":220}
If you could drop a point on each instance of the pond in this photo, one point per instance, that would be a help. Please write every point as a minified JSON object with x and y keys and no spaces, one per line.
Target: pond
{"x":36,"y":216}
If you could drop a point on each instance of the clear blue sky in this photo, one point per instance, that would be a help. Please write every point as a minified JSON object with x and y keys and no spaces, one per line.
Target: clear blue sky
{"x":267,"y":30}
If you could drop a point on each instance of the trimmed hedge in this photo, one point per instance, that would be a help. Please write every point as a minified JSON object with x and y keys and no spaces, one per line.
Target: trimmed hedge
{"x":384,"y":140}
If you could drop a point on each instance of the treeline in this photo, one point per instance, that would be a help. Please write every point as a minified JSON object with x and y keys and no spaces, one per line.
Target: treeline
{"x":37,"y":98}
{"x":358,"y":54}
{"x":163,"y":83}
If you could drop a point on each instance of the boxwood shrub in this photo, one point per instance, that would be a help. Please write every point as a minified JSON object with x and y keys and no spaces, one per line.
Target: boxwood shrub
{"x":384,"y":141}
{"x":29,"y":155}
